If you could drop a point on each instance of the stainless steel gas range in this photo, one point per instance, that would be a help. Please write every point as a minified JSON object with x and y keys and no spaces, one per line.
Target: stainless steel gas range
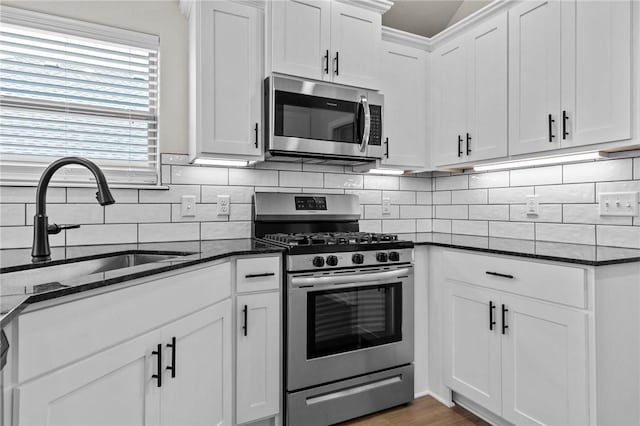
{"x":349,"y":308}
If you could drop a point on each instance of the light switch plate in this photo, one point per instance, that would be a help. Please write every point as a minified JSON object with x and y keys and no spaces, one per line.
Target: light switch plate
{"x":386,"y":205}
{"x":188,"y":207}
{"x":223,"y":205}
{"x":533,"y":208}
{"x":618,"y":204}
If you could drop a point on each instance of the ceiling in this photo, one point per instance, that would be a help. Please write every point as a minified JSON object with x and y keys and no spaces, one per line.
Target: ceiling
{"x":429,"y":17}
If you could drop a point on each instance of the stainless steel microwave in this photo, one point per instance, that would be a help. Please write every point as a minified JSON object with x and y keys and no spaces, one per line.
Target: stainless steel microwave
{"x":307,"y":119}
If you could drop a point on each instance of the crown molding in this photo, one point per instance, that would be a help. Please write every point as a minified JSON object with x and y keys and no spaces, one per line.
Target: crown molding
{"x":408,"y":39}
{"x":379,"y":6}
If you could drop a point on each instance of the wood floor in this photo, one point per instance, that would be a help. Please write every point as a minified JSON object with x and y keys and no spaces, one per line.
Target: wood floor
{"x":422,"y":411}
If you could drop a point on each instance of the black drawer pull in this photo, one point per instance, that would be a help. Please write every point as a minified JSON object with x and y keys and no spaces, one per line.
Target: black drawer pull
{"x":326,"y":59}
{"x":504,"y":319}
{"x":172,"y":367}
{"x":459,"y":146}
{"x":245,"y":326}
{"x":492,"y":308}
{"x":266,"y":274}
{"x":498,"y":274}
{"x":256,"y":130}
{"x":158,"y":354}
{"x":565,"y":117}
{"x":551,"y":121}
{"x":468,"y":144}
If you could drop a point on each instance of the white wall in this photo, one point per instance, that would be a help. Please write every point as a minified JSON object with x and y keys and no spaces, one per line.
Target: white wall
{"x":158,"y":17}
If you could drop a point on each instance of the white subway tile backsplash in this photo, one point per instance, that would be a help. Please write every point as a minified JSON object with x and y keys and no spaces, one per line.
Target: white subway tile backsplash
{"x":204,"y":213}
{"x":400,"y":197}
{"x":442,"y":197}
{"x":301,"y":179}
{"x":589,"y":213}
{"x":424,"y":225}
{"x":225,"y":230}
{"x":575,"y":193}
{"x":519,"y":230}
{"x":370,"y":225}
{"x":22,"y":237}
{"x":332,"y":180}
{"x":88,"y":195}
{"x":424,"y":198}
{"x":237,"y":194}
{"x":452,"y":182}
{"x":489,"y":180}
{"x":253,"y":177}
{"x":199,"y":175}
{"x":546,"y":213}
{"x":158,"y":232}
{"x":489,"y":212}
{"x":381,"y":182}
{"x":398,"y":226}
{"x":619,"y":236}
{"x":172,"y":195}
{"x":375,"y":212}
{"x":469,"y":196}
{"x":70,"y":213}
{"x":12,"y":215}
{"x":415,"y":212}
{"x":625,"y":186}
{"x":598,"y":171}
{"x":536,"y":176}
{"x":27,"y":194}
{"x":516,"y":195}
{"x":415,"y":184}
{"x":366,"y":196}
{"x":566,"y":233}
{"x":470,"y":227}
{"x":452,"y":212}
{"x":103,"y":234}
{"x":441,"y":225}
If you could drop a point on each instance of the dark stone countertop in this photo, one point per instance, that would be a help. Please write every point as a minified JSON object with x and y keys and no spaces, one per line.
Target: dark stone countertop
{"x":14,"y":298}
{"x":592,"y":255}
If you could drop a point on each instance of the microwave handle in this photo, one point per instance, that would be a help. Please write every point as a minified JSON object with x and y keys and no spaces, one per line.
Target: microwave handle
{"x":367,"y":123}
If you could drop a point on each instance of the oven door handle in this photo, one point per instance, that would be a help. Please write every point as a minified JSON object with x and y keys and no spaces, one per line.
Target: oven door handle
{"x":354,"y":279}
{"x":367,"y":123}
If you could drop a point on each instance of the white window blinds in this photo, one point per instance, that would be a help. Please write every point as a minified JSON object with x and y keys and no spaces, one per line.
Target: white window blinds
{"x":70,"y":88}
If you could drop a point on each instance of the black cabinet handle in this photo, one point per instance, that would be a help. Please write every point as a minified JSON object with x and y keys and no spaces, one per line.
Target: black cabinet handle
{"x":504,"y":319}
{"x":266,"y":274}
{"x":326,"y":62}
{"x":468,"y":144}
{"x":172,"y":367}
{"x":386,"y":143}
{"x":459,"y":146}
{"x":565,"y":117}
{"x":158,"y":354}
{"x":245,"y":312}
{"x":498,"y":274}
{"x":551,"y":121}
{"x":337,"y":70}
{"x":492,"y":308}
{"x":256,"y":130}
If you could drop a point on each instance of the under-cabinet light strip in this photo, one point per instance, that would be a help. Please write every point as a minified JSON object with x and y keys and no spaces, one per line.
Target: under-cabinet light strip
{"x":583,"y":156}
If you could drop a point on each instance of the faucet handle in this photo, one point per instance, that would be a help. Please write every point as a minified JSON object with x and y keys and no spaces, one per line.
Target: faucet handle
{"x":55,"y":228}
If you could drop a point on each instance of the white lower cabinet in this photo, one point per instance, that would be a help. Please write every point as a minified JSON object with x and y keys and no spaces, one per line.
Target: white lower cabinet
{"x":257,"y":356}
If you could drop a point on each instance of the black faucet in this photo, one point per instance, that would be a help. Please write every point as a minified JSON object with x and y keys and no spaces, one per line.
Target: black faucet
{"x":41,"y":228}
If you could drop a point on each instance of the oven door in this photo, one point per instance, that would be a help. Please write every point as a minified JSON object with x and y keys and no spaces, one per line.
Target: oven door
{"x":324,"y":120}
{"x":349,"y":323}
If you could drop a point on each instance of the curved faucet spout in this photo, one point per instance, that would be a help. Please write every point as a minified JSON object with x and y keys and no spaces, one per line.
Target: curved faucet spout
{"x":40,"y":251}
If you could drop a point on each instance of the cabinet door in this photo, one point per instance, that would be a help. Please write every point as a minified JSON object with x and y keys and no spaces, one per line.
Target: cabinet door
{"x":200,"y":392}
{"x":87,"y":392}
{"x":487,"y":90}
{"x":356,"y":35}
{"x":544,"y":375}
{"x":301,"y":31}
{"x":450,"y":108}
{"x":403,"y":82}
{"x":472,"y":351}
{"x":534,"y":76}
{"x":258,"y":356}
{"x":596,"y":71}
{"x":231,"y":78}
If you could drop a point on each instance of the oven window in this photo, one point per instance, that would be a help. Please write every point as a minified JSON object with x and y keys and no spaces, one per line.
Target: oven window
{"x":313,"y":117}
{"x":355,"y":318}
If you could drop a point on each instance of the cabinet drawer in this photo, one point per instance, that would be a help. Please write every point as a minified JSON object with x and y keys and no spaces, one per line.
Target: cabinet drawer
{"x":55,"y":336}
{"x":258,"y":273}
{"x":555,"y":283}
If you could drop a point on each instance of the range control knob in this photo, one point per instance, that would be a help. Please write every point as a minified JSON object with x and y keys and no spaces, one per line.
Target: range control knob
{"x":318,"y":261}
{"x":382,"y":257}
{"x":394,"y":256}
{"x":357,"y":258}
{"x":332,"y":260}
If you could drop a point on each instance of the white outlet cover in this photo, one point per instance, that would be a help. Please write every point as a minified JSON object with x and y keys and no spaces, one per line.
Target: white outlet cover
{"x":386,"y":205}
{"x":533,"y":207}
{"x":223,"y":205}
{"x":188,"y":207}
{"x":618,"y":204}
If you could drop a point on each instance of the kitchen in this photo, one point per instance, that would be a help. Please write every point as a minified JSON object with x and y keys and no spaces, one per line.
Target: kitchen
{"x":319,"y":215}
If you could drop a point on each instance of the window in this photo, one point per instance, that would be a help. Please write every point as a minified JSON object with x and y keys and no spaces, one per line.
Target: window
{"x":70,"y":88}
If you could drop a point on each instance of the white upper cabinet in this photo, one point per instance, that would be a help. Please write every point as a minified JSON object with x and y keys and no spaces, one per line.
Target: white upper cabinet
{"x":301,"y":34}
{"x":226,"y":58}
{"x":470,"y":87}
{"x":570,"y":74}
{"x":326,"y":40}
{"x":403,"y":83}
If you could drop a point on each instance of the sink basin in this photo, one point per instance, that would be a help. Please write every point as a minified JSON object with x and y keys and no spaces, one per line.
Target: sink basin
{"x":31,"y":280}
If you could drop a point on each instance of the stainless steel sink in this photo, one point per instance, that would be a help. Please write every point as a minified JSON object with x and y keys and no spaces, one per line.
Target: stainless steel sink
{"x":34,"y":279}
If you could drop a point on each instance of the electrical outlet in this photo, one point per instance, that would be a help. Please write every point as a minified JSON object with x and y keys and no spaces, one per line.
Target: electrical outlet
{"x":618,"y":204}
{"x":223,"y":205}
{"x":386,"y":205}
{"x":188,"y":207}
{"x":533,"y":208}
